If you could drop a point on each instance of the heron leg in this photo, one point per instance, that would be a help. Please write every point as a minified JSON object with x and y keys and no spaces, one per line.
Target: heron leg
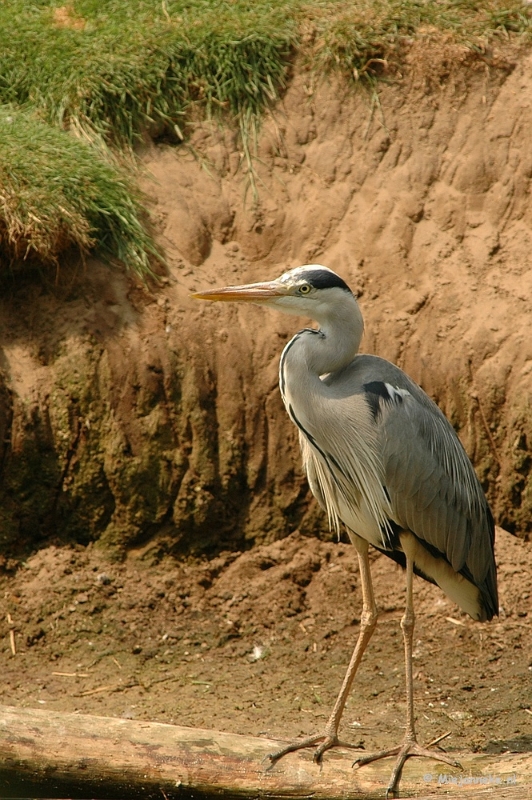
{"x":410,"y":746}
{"x":368,"y":621}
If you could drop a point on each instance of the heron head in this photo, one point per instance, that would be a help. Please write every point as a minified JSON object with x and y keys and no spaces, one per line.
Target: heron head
{"x":302,"y":290}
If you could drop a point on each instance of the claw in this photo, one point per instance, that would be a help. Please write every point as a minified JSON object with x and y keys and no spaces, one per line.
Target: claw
{"x":406,"y":750}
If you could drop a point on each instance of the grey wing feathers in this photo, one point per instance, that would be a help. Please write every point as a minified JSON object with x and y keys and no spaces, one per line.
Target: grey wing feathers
{"x":434,"y":490}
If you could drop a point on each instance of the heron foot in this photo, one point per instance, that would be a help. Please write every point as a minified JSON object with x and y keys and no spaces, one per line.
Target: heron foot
{"x":325,"y":739}
{"x":409,"y":748}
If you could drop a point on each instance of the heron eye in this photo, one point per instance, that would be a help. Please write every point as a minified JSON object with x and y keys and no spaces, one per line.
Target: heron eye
{"x":305,"y":288}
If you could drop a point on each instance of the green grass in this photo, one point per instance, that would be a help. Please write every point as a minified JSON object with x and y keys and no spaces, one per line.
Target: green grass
{"x":116,"y":70}
{"x":356,"y":38}
{"x":132,"y":65}
{"x":55,"y":195}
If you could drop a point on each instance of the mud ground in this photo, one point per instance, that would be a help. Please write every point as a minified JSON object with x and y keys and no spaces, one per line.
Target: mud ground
{"x":257,"y":642}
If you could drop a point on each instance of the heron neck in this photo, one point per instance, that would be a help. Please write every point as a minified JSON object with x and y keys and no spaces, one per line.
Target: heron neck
{"x":338,"y":341}
{"x":312,"y":353}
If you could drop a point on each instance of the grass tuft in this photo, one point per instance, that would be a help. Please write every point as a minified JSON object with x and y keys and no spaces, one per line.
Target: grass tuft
{"x":358,"y":39}
{"x":55,"y":195}
{"x":114,"y":69}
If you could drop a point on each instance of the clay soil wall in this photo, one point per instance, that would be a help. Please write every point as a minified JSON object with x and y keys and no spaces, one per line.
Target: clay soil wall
{"x":128,"y":413}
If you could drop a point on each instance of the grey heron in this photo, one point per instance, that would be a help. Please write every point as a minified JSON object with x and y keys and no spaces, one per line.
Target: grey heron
{"x":382,"y":459}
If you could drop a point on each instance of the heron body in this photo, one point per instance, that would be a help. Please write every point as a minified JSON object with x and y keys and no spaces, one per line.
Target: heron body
{"x":382,"y":459}
{"x":405,"y":468}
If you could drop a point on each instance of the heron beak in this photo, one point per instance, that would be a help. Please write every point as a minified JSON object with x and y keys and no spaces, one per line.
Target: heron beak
{"x":249,"y":292}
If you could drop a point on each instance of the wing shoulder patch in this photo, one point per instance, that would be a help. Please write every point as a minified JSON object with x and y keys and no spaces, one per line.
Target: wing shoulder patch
{"x":379,"y":392}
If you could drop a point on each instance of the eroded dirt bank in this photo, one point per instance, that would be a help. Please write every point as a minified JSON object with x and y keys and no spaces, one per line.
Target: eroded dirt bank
{"x":139,"y":420}
{"x":125,"y":413}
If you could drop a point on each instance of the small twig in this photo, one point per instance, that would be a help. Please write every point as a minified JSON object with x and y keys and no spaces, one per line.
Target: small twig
{"x":112,"y":687}
{"x":439,"y":739}
{"x":455,"y":621}
{"x":72,"y":674}
{"x":98,"y":689}
{"x":11,"y":633}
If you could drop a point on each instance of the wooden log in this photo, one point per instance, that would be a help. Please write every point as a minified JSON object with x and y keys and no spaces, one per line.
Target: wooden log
{"x":50,"y":754}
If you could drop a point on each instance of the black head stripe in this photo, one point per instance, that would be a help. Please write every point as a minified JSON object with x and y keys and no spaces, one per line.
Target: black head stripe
{"x":323,"y":279}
